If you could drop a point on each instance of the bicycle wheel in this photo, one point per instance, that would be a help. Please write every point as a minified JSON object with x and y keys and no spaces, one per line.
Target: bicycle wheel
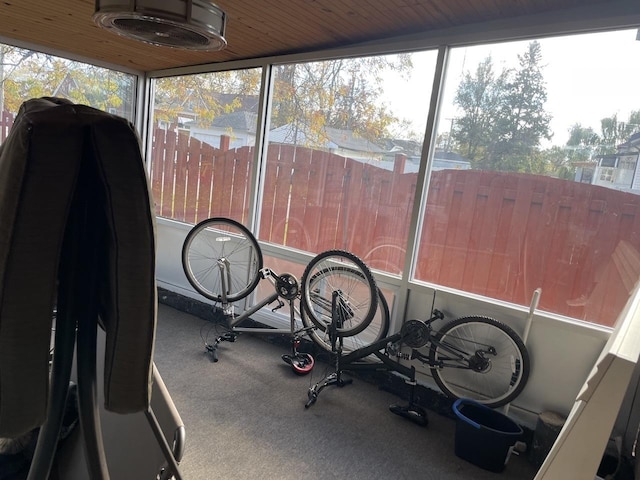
{"x":376,"y":330}
{"x":222,"y":259}
{"x":479,"y":358}
{"x":339,"y":274}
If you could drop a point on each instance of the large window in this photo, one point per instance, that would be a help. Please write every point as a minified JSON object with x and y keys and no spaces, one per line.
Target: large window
{"x":533,"y":180}
{"x":344,"y":145}
{"x":204,"y":135}
{"x":534,"y":123}
{"x":26,"y":74}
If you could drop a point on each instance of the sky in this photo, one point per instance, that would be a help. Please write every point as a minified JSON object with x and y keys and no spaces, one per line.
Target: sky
{"x":588,"y":77}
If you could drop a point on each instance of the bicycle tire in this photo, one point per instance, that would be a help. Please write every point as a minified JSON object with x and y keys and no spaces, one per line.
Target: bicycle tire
{"x":377,"y":329}
{"x":504,"y":376}
{"x":217,"y":240}
{"x":341,"y":272}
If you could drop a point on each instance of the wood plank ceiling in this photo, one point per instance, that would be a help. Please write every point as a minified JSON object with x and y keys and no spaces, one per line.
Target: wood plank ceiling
{"x":258,"y":28}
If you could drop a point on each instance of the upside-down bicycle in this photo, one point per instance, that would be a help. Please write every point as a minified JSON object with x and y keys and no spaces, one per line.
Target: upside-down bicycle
{"x":344,"y":313}
{"x":471,"y":357}
{"x":223,"y":262}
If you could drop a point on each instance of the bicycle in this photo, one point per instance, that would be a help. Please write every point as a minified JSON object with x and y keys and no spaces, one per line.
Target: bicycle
{"x":470,"y":357}
{"x":223,"y":261}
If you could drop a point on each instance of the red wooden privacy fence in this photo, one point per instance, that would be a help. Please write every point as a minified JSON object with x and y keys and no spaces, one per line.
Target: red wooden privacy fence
{"x":504,"y":235}
{"x":496,"y":234}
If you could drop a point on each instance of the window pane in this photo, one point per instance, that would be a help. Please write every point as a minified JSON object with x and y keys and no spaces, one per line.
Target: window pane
{"x":204,"y":133}
{"x":25,"y":74}
{"x":545,"y":191}
{"x":344,"y":146}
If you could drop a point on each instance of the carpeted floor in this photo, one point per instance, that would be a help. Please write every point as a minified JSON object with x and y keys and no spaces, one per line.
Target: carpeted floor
{"x":245,"y":418}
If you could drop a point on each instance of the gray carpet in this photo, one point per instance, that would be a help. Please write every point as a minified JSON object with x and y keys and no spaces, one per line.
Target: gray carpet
{"x":245,"y":418}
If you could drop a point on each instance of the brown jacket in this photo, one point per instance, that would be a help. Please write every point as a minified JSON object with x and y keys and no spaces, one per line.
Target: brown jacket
{"x":59,"y":155}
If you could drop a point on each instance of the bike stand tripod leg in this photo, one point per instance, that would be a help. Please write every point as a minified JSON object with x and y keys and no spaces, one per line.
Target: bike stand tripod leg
{"x":213,"y":349}
{"x":411,"y":411}
{"x":332,"y":379}
{"x":336,"y":347}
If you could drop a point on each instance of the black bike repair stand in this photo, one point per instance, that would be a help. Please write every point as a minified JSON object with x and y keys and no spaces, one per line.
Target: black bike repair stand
{"x":411,"y":411}
{"x":336,"y":347}
{"x":213,"y":348}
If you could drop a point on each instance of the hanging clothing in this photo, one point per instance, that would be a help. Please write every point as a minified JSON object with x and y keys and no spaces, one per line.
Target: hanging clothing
{"x":54,"y":148}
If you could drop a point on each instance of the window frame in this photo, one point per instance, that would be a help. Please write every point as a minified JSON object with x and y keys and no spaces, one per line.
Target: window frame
{"x":580,"y":20}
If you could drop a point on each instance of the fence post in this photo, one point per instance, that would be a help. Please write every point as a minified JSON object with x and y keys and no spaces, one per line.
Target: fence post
{"x":6,"y":121}
{"x":225,"y":142}
{"x":399,"y":163}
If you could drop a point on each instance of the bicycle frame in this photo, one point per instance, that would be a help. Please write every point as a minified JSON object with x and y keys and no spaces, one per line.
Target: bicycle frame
{"x":286,"y":287}
{"x":233,"y":321}
{"x":475,"y":344}
{"x":376,"y":347}
{"x":410,"y":411}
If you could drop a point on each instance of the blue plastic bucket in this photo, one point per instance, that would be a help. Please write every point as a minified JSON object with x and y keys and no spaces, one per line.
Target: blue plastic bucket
{"x":484,"y":436}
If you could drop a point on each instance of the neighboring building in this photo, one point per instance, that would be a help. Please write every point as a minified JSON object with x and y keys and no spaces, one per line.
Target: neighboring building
{"x":185,"y":117}
{"x":239,"y":126}
{"x":449,"y":161}
{"x":335,"y":140}
{"x":615,"y":170}
{"x":585,"y":171}
{"x":441,"y":161}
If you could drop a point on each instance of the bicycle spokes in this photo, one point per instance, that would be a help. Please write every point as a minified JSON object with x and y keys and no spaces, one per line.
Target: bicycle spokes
{"x":479,"y":358}
{"x":341,"y":273}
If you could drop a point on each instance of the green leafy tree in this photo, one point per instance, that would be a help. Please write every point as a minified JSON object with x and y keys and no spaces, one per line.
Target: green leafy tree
{"x":335,"y":93}
{"x":504,"y":119}
{"x":307,"y":96}
{"x":581,"y":143}
{"x":614,"y":131}
{"x":203,"y":97}
{"x":523,"y":121}
{"x":584,"y":144}
{"x":27,"y":74}
{"x":480,"y":96}
{"x":10,"y":59}
{"x":557,"y":162}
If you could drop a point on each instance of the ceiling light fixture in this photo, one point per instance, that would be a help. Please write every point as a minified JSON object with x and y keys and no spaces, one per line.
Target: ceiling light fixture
{"x":187,"y":24}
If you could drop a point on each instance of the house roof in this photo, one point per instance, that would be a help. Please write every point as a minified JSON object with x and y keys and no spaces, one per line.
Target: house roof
{"x":237,"y":121}
{"x":408,"y":147}
{"x":633,"y":141}
{"x":329,"y":138}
